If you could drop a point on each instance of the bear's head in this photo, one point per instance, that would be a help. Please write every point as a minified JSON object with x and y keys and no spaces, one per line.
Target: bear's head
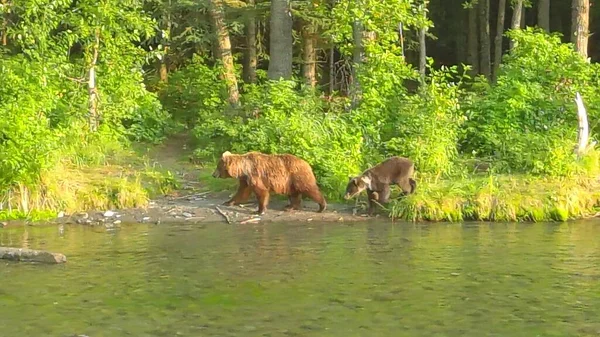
{"x":223,"y":166}
{"x":357,"y":185}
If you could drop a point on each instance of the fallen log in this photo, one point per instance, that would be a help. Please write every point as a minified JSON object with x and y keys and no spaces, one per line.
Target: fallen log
{"x":30,"y":255}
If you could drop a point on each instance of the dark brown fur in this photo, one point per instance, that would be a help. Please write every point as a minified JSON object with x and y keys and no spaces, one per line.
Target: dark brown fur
{"x":262,"y":174}
{"x":378,"y":179}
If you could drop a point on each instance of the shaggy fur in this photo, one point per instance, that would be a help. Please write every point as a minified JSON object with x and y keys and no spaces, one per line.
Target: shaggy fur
{"x":262,"y":174}
{"x":378,"y":179}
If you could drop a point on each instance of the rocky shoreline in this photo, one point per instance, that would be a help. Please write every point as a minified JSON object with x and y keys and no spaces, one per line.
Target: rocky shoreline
{"x":206,"y":207}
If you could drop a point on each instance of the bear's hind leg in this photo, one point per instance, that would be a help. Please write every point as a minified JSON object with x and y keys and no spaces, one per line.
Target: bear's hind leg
{"x":263,"y":200}
{"x":316,"y":195}
{"x":295,"y":201}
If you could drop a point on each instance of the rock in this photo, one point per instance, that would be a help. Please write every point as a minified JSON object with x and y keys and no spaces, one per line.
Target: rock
{"x":84,"y":215}
{"x":30,"y":255}
{"x":60,"y":214}
{"x":109,"y":214}
{"x":145,"y":219}
{"x":187,"y":215}
{"x":116,"y":222}
{"x":3,"y":224}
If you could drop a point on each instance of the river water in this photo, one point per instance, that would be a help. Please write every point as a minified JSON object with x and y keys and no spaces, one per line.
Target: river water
{"x":310,"y":279}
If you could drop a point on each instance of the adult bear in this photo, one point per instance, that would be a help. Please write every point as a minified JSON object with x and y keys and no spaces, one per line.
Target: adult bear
{"x":262,"y":174}
{"x":378,"y":179}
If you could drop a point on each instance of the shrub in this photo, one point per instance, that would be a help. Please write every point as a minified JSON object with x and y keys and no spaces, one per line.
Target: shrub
{"x":528,"y":118}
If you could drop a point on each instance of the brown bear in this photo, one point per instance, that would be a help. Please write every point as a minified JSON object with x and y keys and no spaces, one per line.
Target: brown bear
{"x":263,"y":173}
{"x":377,"y":180}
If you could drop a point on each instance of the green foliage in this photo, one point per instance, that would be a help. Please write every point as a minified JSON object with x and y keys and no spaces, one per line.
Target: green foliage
{"x":194,"y":93}
{"x":427,"y":127}
{"x":528,"y":119}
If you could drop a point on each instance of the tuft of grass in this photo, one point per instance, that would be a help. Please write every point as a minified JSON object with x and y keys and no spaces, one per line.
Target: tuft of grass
{"x":74,"y":188}
{"x":499,"y":198}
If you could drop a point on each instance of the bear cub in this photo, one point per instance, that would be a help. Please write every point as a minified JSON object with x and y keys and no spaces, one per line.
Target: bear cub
{"x":378,"y":179}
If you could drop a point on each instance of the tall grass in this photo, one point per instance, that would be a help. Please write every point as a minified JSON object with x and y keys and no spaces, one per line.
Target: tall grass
{"x":500,"y":198}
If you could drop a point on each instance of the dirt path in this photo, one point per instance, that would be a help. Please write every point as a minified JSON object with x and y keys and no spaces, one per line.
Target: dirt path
{"x":200,"y":198}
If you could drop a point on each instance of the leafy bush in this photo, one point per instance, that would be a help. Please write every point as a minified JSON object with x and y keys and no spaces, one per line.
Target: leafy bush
{"x":528,"y":118}
{"x":194,"y":93}
{"x":27,"y":142}
{"x":427,"y":128}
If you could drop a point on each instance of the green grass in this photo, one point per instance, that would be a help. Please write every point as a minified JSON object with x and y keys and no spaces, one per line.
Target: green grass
{"x":123,"y":181}
{"x":499,"y":198}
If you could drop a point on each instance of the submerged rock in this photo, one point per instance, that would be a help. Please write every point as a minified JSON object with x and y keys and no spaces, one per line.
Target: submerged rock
{"x":30,"y":255}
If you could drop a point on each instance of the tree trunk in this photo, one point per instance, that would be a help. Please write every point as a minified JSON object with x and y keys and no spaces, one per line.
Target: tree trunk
{"x":484,"y":38}
{"x":580,"y":20}
{"x":309,"y":54}
{"x":250,"y":59}
{"x":357,"y":59}
{"x":4,"y":28}
{"x":516,"y":18}
{"x":281,"y":42}
{"x":163,"y":71}
{"x":543,"y":15}
{"x":92,"y":90}
{"x":224,"y":50}
{"x":423,"y":44}
{"x":583,"y":134}
{"x":473,"y":42}
{"x":498,"y":39}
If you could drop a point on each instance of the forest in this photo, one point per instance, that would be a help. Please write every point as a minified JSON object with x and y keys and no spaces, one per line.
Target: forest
{"x":480,"y":94}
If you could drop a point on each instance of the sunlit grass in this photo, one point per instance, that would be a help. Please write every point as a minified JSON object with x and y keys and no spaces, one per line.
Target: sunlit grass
{"x":499,"y":198}
{"x":74,"y":187}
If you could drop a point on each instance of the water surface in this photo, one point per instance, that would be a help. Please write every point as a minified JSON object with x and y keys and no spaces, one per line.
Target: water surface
{"x":366,"y":279}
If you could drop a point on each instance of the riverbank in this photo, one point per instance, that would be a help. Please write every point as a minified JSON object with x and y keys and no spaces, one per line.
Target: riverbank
{"x":160,"y":184}
{"x":501,"y":198}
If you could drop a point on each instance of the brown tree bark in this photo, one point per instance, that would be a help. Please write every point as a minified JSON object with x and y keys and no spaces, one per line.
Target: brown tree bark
{"x":250,"y":59}
{"x":472,"y":41}
{"x":580,"y":20}
{"x":4,"y":28}
{"x":484,"y":38}
{"x":224,"y":50}
{"x":309,"y":54}
{"x":281,"y":41}
{"x":498,"y":39}
{"x":516,"y":18}
{"x":543,"y":15}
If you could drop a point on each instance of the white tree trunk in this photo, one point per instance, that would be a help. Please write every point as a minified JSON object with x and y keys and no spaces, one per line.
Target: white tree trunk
{"x":583,"y":137}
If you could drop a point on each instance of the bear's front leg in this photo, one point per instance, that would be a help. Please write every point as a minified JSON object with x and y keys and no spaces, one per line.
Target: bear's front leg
{"x":242,"y":194}
{"x":371,"y":195}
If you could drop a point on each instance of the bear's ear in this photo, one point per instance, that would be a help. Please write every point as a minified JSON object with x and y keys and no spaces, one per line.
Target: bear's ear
{"x":225,"y":154}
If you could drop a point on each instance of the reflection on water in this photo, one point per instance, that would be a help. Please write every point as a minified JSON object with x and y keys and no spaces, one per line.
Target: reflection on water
{"x":368,"y":279}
